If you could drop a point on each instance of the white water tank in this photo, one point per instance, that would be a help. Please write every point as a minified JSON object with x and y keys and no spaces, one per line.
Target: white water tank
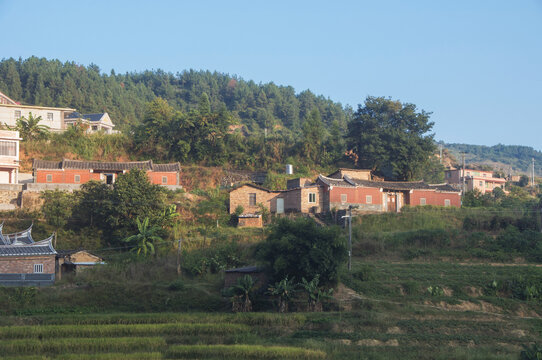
{"x":289,"y":169}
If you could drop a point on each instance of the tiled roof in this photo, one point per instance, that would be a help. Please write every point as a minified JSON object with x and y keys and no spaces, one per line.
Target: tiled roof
{"x":43,"y":247}
{"x":89,"y":117}
{"x":246,"y":269}
{"x":335,"y":182}
{"x":18,"y":238}
{"x":400,"y":185}
{"x":257,"y":187}
{"x":173,"y":167}
{"x":98,"y":165}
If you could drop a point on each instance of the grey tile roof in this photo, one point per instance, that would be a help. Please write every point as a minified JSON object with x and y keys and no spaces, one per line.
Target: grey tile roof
{"x":89,"y":117}
{"x":21,"y":237}
{"x":400,"y":185}
{"x":98,"y":165}
{"x":43,"y":247}
{"x":335,"y":182}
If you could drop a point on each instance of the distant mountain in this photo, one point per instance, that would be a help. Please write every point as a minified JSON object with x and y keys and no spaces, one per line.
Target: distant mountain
{"x":516,"y":159}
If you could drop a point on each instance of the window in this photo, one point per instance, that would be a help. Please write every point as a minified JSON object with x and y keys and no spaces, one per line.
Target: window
{"x":50,"y":116}
{"x":8,"y":148}
{"x":164,"y":180}
{"x":49,"y":178}
{"x":422,"y":201}
{"x":368,"y":199}
{"x":446,"y":202}
{"x":17,"y":114}
{"x":252,"y":199}
{"x":448,"y":175}
{"x":77,"y":178}
{"x":312,"y":198}
{"x":481,"y":183}
{"x":38,"y":268}
{"x":343,"y":198}
{"x":94,"y":128}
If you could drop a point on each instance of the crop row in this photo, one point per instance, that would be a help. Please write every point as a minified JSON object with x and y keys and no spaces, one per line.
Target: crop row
{"x":101,"y":356}
{"x":96,"y":331}
{"x":81,"y":345}
{"x":258,"y":319}
{"x":242,"y":352}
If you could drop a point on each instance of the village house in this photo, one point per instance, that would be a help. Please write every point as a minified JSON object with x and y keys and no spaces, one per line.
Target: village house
{"x":483,"y":181}
{"x":25,"y":262}
{"x":94,"y":122}
{"x":80,"y":172}
{"x":57,"y":119}
{"x":341,"y":191}
{"x":52,"y":117}
{"x":9,"y":156}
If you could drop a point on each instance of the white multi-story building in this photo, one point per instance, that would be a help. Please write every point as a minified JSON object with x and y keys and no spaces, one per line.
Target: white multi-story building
{"x":9,"y":156}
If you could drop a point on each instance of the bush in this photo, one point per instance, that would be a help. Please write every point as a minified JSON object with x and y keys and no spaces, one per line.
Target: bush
{"x":366,"y":273}
{"x":300,"y":248}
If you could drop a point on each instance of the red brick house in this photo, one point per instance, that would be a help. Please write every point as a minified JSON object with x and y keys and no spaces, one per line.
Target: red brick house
{"x":80,"y":172}
{"x":389,"y":196}
{"x":25,"y":262}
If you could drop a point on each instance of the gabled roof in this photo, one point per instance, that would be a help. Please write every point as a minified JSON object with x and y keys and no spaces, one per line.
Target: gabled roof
{"x":257,"y":187}
{"x":347,"y":169}
{"x":43,"y":247}
{"x":7,"y":99}
{"x":90,"y":117}
{"x":98,"y":165}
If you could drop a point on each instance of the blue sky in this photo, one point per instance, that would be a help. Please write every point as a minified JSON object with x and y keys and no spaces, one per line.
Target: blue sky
{"x":477,"y":65}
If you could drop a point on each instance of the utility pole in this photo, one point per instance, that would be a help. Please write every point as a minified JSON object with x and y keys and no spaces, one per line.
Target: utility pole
{"x":440,"y":148}
{"x":349,"y":217}
{"x":179,"y":257}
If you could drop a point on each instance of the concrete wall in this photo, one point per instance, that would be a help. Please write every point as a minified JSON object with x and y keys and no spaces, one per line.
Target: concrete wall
{"x":7,"y":115}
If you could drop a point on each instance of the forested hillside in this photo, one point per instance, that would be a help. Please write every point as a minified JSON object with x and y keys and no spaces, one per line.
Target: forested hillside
{"x":39,"y":81}
{"x":514,"y":158}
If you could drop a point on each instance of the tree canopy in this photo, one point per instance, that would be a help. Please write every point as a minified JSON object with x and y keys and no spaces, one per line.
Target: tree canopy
{"x":391,"y":137}
{"x":300,"y":248}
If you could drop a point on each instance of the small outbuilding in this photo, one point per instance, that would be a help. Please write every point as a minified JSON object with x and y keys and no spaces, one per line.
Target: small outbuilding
{"x":73,"y":261}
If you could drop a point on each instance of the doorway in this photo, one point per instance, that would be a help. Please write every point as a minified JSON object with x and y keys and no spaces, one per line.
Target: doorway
{"x":392,"y":203}
{"x":109,"y":178}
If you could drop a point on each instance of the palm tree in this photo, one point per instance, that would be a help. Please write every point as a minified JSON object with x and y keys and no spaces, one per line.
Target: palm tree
{"x":30,"y":129}
{"x":315,"y":293}
{"x":284,"y":289}
{"x":144,"y":240}
{"x":241,"y":292}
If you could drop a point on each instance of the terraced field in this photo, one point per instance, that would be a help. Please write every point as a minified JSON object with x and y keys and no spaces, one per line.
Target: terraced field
{"x":392,"y":316}
{"x":371,"y":331}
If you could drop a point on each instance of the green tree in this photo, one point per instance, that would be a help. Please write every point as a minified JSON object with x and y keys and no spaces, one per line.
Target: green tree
{"x":145,"y":239}
{"x":133,"y":197}
{"x":30,"y":129}
{"x":313,"y":135}
{"x":57,"y":208}
{"x":523,"y":181}
{"x":241,"y":293}
{"x":284,"y":290}
{"x":300,"y":248}
{"x":390,"y":137}
{"x":315,"y":293}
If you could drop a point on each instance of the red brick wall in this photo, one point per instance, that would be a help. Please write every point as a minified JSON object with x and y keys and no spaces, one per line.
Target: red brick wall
{"x":25,"y":264}
{"x":156,"y":177}
{"x":67,"y":176}
{"x":434,"y":198}
{"x":355,"y":195}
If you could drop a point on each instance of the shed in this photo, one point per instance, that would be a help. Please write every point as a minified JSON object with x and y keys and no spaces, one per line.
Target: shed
{"x":68,"y":261}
